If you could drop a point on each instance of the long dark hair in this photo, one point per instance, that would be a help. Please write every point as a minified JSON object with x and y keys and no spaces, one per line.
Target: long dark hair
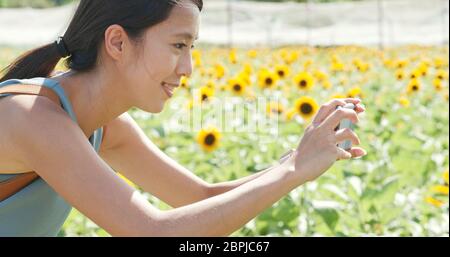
{"x":84,"y":35}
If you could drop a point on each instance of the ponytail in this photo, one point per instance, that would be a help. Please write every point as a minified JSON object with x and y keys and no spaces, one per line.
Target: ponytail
{"x":85,"y":34}
{"x":39,"y":62}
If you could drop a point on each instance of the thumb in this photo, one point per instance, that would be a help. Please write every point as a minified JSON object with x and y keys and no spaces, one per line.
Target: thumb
{"x":343,"y":155}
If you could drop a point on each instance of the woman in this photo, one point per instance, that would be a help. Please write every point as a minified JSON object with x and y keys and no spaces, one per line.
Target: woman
{"x":125,"y":54}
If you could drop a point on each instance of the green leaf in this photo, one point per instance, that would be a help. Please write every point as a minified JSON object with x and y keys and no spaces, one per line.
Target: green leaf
{"x":330,"y":216}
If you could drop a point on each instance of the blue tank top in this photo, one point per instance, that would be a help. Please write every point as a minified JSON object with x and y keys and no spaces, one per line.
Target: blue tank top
{"x":37,"y":210}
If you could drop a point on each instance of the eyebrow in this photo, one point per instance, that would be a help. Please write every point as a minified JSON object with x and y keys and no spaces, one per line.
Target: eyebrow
{"x":186,"y":35}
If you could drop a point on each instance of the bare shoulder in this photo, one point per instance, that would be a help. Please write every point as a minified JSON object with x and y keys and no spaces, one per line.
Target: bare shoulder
{"x":56,"y":148}
{"x":25,"y":116}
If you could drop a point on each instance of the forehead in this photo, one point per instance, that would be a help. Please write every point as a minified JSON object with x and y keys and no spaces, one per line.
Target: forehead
{"x":182,"y":22}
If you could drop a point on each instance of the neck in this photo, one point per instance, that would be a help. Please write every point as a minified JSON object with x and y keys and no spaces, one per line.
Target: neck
{"x":96,"y":99}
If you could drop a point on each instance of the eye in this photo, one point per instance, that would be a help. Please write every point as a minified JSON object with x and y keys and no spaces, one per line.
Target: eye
{"x":180,"y":46}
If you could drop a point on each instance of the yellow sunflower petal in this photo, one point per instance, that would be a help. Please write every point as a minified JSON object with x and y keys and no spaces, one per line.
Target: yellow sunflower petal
{"x":440,"y":189}
{"x":434,"y":202}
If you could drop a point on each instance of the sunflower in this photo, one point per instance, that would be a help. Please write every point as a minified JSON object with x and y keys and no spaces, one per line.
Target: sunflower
{"x":404,"y":101}
{"x":307,"y":64}
{"x":327,"y":84}
{"x":196,"y":53}
{"x":275,"y":108}
{"x":337,"y":96}
{"x":197,"y":62}
{"x":413,"y":86}
{"x":356,"y":62}
{"x":304,"y":81}
{"x":423,"y":69}
{"x":267,"y":79}
{"x":282,"y":71}
{"x":209,"y":139}
{"x":441,"y":75}
{"x":210,"y":84}
{"x":415,"y":74}
{"x":205,"y":94}
{"x":439,"y":191}
{"x":233,"y":56}
{"x":219,"y":71}
{"x":363,"y":67}
{"x":290,"y":114}
{"x":290,"y":58}
{"x":401,"y":64}
{"x":443,"y":190}
{"x":439,"y":63}
{"x":437,"y":83}
{"x":399,"y":74}
{"x":184,"y":83}
{"x":354,"y":92}
{"x":252,"y":53}
{"x":306,"y":107}
{"x":433,"y":201}
{"x":320,"y":76}
{"x":247,"y":69}
{"x":237,"y":85}
{"x":337,"y":67}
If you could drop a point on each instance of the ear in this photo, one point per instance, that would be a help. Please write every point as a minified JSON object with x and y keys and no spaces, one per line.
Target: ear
{"x":115,"y":40}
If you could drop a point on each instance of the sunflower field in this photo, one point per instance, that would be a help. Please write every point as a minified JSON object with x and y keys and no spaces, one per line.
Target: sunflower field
{"x":243,"y":108}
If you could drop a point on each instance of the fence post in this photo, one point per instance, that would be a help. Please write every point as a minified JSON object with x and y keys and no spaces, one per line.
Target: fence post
{"x":230,"y":23}
{"x":308,"y":22}
{"x":444,"y":25}
{"x":380,"y":24}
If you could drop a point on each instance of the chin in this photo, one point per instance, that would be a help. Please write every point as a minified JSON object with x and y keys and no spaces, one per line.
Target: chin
{"x":153,"y":108}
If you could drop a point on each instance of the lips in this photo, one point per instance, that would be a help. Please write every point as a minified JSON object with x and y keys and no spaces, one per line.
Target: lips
{"x":169,"y":88}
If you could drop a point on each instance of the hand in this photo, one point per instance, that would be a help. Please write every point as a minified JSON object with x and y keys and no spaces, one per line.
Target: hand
{"x":318,"y":149}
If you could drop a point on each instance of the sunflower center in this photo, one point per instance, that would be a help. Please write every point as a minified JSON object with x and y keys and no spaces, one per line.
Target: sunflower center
{"x":204,"y":97}
{"x":306,"y":108}
{"x":415,"y":88}
{"x":210,"y":139}
{"x":281,"y":73}
{"x":237,"y":88}
{"x":303,"y":83}
{"x":269,"y":81}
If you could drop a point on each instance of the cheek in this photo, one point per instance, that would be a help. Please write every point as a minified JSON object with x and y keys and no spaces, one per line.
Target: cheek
{"x":157,"y":63}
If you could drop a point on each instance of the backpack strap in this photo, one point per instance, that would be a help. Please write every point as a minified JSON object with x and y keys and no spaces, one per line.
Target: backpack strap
{"x":17,"y":183}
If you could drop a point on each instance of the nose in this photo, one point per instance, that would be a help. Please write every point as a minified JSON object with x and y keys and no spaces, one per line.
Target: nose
{"x":184,"y":67}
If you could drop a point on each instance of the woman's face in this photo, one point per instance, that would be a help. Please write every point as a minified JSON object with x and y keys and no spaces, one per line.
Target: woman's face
{"x":164,"y":56}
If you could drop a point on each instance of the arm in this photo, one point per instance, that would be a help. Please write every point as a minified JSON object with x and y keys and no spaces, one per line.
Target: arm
{"x":222,"y":187}
{"x":73,"y":169}
{"x":128,"y":150}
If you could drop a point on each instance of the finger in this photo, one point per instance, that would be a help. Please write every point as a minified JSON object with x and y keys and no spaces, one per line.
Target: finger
{"x":357,"y":152}
{"x":360,"y":108}
{"x":335,"y":118}
{"x":326,"y":109}
{"x":343,"y":155}
{"x":347,"y":134}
